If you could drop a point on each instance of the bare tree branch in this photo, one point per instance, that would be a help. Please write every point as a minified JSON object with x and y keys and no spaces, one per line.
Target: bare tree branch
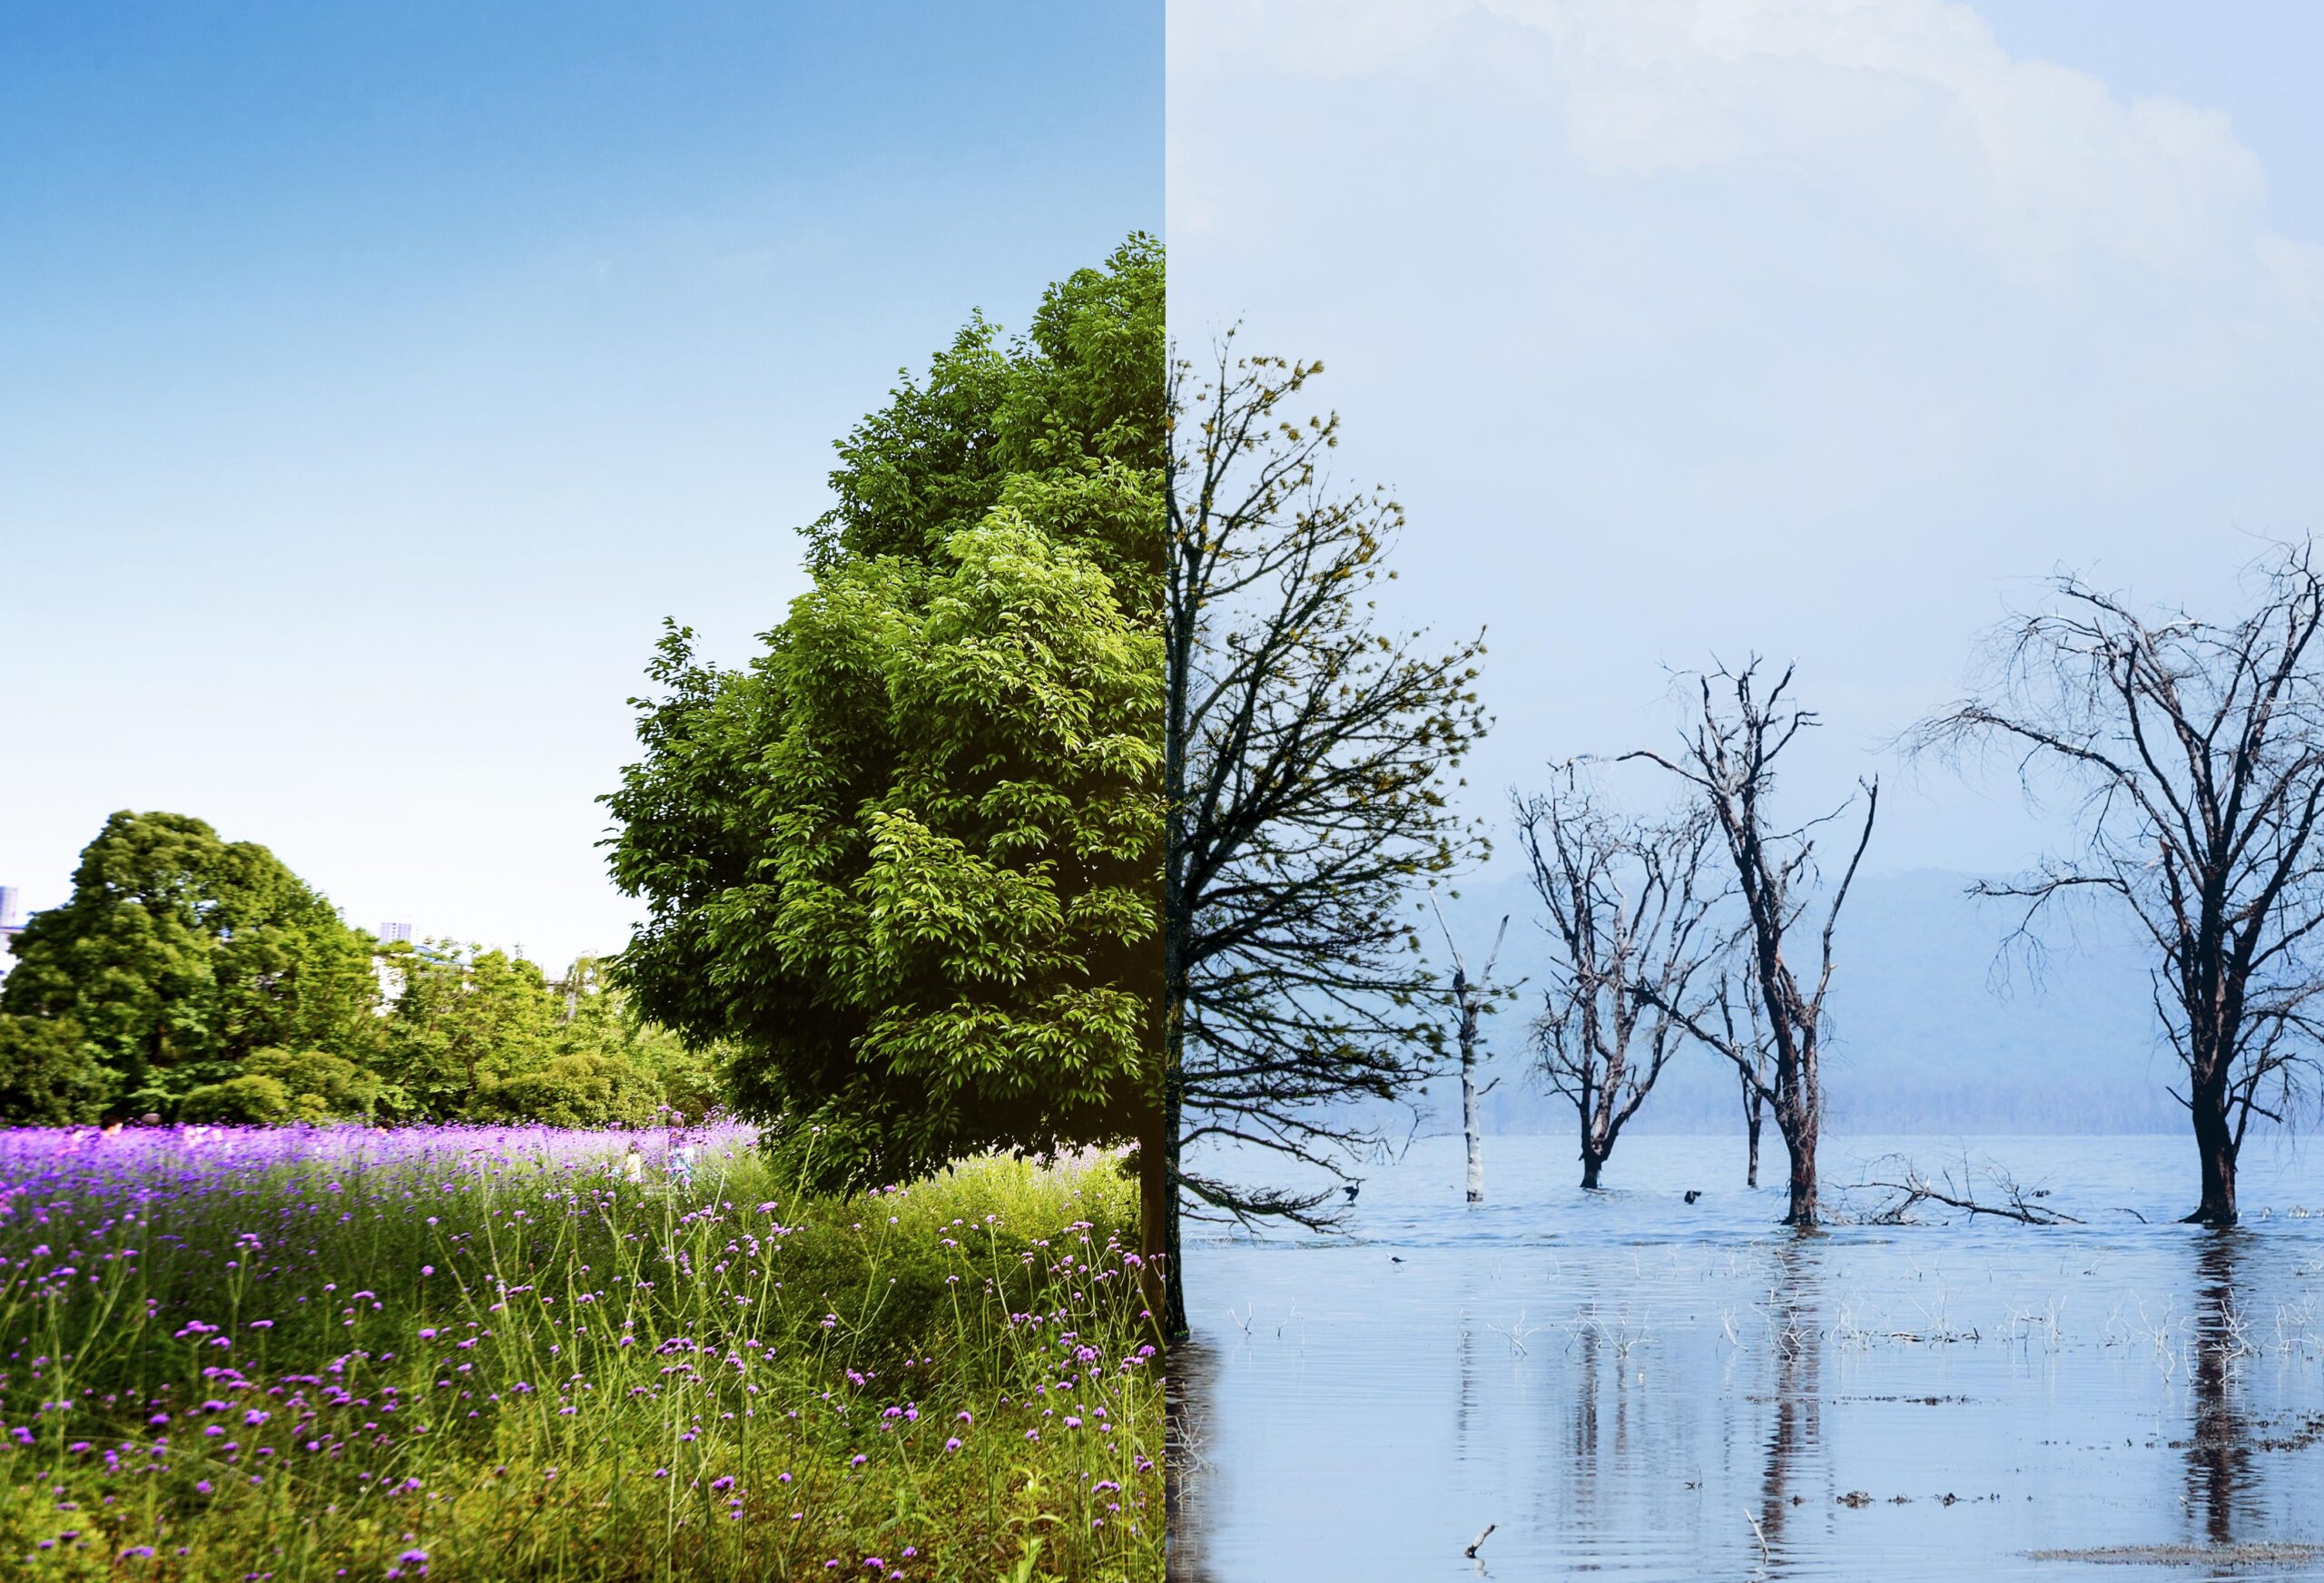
{"x":1305,"y":757}
{"x":2197,"y":750}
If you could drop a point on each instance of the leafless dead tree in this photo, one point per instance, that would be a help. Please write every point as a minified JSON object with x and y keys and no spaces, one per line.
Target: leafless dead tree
{"x":2198,"y":749}
{"x":1728,"y":756}
{"x":1470,"y":997}
{"x":1634,"y":953}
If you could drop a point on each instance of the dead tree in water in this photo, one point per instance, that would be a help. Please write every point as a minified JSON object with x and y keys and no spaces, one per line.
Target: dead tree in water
{"x":1749,"y":1053}
{"x":1632,"y":951}
{"x":1728,"y":756}
{"x":1468,"y":998}
{"x":2199,"y":750}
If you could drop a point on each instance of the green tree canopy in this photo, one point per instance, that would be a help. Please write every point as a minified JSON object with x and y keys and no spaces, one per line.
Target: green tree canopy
{"x":600,"y":1019}
{"x":907,"y":862}
{"x":179,"y":953}
{"x":462,"y":1021}
{"x":49,"y":1076}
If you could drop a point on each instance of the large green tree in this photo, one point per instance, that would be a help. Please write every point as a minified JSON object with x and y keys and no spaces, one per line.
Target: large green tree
{"x":907,"y":862}
{"x":463,"y":1019}
{"x":177,"y":955}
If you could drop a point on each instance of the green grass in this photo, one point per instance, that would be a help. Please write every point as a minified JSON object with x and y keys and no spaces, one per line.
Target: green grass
{"x":513,"y":1361}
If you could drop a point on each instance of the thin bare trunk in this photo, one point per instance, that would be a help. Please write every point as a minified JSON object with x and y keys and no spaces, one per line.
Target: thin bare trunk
{"x":1471,"y":1128}
{"x":1468,"y":999}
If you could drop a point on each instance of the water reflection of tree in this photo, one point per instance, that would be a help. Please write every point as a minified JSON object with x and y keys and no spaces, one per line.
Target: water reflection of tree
{"x":2218,"y":1444}
{"x":1796,"y":1436}
{"x":1583,"y":1447}
{"x":1187,"y":1392}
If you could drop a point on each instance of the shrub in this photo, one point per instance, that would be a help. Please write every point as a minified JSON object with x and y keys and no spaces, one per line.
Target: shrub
{"x":244,"y":1101}
{"x":323,"y":1088}
{"x":576,"y":1091}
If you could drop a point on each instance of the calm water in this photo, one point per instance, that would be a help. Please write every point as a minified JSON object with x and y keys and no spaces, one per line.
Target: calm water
{"x":1630,"y":1386}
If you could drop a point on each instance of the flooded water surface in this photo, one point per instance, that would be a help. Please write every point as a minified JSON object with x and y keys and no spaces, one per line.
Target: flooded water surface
{"x":1621,"y":1383}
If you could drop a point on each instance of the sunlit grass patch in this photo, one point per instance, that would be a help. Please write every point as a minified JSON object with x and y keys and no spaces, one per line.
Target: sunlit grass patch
{"x":482,"y":1353}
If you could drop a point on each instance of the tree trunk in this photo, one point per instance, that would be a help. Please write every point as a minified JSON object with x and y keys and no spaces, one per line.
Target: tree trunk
{"x":1154,"y":1214}
{"x":1802,"y":1148}
{"x":1158,"y":1196}
{"x":2215,"y":1146}
{"x":1754,"y":1115}
{"x":1469,"y":1123}
{"x":1591,"y":1165}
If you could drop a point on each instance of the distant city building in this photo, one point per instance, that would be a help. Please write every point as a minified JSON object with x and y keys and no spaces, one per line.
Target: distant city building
{"x":394,"y":932}
{"x":12,"y":924}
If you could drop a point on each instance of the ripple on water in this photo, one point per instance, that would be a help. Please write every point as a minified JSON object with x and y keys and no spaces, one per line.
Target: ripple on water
{"x":1627,"y":1384}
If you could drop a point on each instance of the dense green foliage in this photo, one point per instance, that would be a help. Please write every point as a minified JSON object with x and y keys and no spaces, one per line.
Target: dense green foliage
{"x":498,"y":1359}
{"x":177,"y":955}
{"x":461,"y":1022}
{"x":575,"y":1091}
{"x":907,"y":863}
{"x":201,"y":981}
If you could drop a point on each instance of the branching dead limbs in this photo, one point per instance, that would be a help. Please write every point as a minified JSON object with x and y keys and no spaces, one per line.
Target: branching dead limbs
{"x":1728,"y":756}
{"x":1634,"y":957}
{"x":1913,"y":1189}
{"x":2198,"y":749}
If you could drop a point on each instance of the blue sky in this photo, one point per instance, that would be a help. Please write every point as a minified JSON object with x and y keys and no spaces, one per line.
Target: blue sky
{"x":1687,"y":327}
{"x":374,"y":379}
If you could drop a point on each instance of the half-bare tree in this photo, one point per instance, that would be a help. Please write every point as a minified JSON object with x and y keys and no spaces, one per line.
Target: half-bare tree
{"x":1634,"y":955}
{"x":2198,"y":749}
{"x":1304,"y":755}
{"x":1728,"y":756}
{"x":1469,"y":998}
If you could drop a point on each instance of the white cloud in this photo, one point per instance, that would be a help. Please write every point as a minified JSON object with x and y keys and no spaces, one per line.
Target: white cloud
{"x":1801,"y":325}
{"x":1912,"y":101}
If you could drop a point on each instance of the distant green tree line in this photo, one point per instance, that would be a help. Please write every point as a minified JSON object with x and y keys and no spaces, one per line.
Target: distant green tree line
{"x":200,"y":980}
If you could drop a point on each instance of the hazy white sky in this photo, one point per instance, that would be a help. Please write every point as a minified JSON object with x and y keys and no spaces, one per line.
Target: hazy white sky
{"x":375,"y":378}
{"x":1686,"y":327}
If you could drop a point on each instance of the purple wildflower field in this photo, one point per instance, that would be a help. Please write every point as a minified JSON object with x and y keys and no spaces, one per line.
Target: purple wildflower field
{"x":478,"y":1352}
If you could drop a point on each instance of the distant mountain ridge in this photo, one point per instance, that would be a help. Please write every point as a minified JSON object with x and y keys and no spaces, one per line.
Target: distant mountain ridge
{"x":1934,"y":1028}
